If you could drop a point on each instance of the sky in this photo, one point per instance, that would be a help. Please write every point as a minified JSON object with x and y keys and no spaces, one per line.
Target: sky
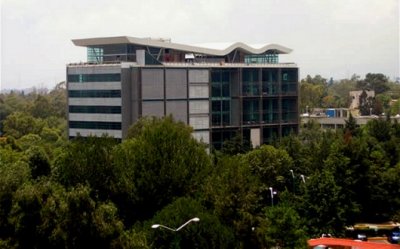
{"x":333,"y":38}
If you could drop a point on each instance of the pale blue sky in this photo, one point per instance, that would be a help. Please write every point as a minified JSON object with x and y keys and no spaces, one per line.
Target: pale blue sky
{"x":334,"y":38}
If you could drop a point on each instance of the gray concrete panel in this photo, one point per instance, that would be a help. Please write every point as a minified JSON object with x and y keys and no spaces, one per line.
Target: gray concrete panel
{"x":94,"y":69}
{"x":153,"y":108}
{"x":199,"y":107}
{"x":126,"y":85}
{"x":198,"y":91}
{"x":199,"y":76}
{"x":95,"y":101}
{"x":202,"y":136}
{"x":95,"y":86}
{"x":94,"y":132}
{"x":152,"y":84}
{"x":178,"y":109}
{"x":176,"y":83}
{"x":200,"y":121}
{"x":95,"y":117}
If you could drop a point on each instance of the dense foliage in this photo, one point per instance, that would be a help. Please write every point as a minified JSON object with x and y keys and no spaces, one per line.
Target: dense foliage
{"x":99,"y":193}
{"x":318,"y":92}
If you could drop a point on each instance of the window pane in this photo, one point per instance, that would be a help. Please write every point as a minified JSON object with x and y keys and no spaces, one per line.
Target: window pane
{"x":94,"y":93}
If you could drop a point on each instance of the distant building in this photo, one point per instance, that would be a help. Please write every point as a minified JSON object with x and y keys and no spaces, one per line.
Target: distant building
{"x":219,"y":92}
{"x":355,"y":97}
{"x":338,"y":121}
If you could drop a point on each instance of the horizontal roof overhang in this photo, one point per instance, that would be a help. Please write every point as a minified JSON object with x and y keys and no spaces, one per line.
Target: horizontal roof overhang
{"x":181,"y":47}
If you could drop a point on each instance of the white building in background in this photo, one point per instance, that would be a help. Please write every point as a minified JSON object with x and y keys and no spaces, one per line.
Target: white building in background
{"x":355,"y":98}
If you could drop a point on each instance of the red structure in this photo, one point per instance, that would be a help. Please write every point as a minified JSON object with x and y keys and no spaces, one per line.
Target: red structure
{"x":335,"y":243}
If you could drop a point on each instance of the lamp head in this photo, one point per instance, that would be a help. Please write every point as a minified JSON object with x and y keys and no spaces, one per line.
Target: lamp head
{"x":155,"y":226}
{"x":195,"y":219}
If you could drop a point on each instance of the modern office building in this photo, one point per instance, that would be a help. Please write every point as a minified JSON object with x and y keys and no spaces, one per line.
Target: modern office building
{"x":219,"y":92}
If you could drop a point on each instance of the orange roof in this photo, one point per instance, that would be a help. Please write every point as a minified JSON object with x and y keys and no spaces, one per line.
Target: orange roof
{"x":352,"y":243}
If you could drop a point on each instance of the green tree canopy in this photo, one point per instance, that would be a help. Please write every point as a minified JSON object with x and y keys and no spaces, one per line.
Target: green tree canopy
{"x":165,"y":161}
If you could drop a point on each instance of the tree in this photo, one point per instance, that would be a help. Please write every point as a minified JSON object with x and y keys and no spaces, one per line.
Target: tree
{"x":312,"y":91}
{"x":207,"y":233}
{"x":366,"y":104}
{"x":395,"y":108}
{"x":14,"y":173}
{"x":45,"y":215}
{"x":236,"y":145}
{"x":322,"y":205}
{"x":234,"y":195}
{"x":38,"y":162}
{"x":165,"y":162}
{"x":58,"y":100}
{"x":89,"y":161}
{"x":41,"y":107}
{"x":284,"y":218}
{"x":375,"y":81}
{"x":131,"y":239}
{"x":19,"y":124}
{"x":379,"y":129}
{"x":350,"y":128}
{"x":271,"y":165}
{"x":316,"y":80}
{"x":346,"y":176}
{"x":340,"y":90}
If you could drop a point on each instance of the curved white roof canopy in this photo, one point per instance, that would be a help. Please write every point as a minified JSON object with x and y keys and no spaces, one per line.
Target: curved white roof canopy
{"x":181,"y":47}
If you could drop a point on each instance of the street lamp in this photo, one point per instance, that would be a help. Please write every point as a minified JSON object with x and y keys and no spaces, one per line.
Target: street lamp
{"x":291,"y":171}
{"x":155,"y":226}
{"x":303,"y":178}
{"x":272,"y":195}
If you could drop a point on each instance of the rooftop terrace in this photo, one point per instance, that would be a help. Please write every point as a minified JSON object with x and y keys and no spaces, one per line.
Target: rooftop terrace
{"x":164,"y":52}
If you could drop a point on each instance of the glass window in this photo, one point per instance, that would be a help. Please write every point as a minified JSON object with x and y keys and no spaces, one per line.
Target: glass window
{"x":270,"y":134}
{"x":289,"y":110}
{"x":216,"y":119}
{"x":220,"y":112}
{"x":215,"y":76}
{"x":219,"y":137}
{"x":289,"y":75}
{"x":270,"y":111}
{"x":270,"y":75}
{"x":288,"y":129}
{"x":262,"y":59}
{"x":250,"y":75}
{"x":215,"y":89}
{"x":95,"y":125}
{"x":226,"y":118}
{"x":94,"y":93}
{"x":225,"y":89}
{"x":225,"y":76}
{"x":250,"y":82}
{"x":95,"y":55}
{"x":216,"y":106}
{"x":226,"y":105}
{"x":95,"y":109}
{"x":251,"y":111}
{"x":81,"y":78}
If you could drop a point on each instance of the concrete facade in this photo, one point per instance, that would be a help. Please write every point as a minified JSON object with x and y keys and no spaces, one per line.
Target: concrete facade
{"x":219,"y":100}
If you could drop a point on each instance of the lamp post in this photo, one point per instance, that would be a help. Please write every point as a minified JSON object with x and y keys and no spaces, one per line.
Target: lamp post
{"x":272,"y":195}
{"x":155,"y":226}
{"x":303,"y":178}
{"x":291,"y":171}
